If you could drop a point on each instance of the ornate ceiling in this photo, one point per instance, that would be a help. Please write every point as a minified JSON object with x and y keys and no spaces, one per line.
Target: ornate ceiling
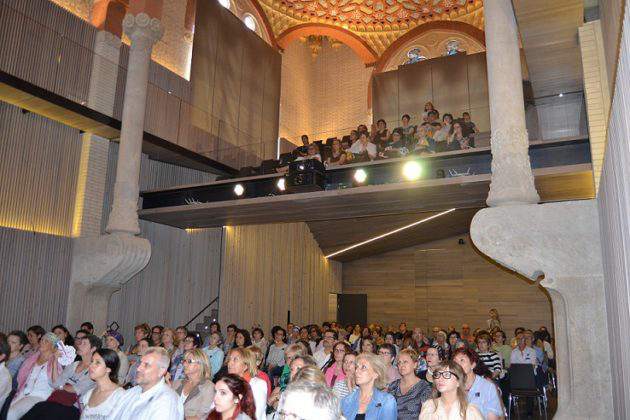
{"x":377,"y":22}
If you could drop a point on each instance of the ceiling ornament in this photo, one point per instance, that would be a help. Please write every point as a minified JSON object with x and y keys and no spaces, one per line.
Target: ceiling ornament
{"x":378,"y":22}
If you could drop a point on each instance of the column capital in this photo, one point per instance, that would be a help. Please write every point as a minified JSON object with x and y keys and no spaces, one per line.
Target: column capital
{"x":143,"y":29}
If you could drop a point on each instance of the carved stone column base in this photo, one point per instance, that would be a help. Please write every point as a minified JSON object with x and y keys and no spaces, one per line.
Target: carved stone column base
{"x":560,"y":241}
{"x":100,"y":265}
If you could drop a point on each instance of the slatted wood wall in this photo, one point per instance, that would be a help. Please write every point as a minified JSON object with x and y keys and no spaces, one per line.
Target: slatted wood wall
{"x":444,"y":283}
{"x":614,"y":207}
{"x":40,"y":160}
{"x":271,"y":269}
{"x":183,"y":273}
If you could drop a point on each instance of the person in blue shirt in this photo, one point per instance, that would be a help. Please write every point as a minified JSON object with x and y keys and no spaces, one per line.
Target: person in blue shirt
{"x":368,"y":401}
{"x":481,"y":391}
{"x":214,"y":353}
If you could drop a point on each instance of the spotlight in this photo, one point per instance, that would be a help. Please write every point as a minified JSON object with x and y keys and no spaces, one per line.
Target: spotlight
{"x":282,"y":184}
{"x":239,"y":190}
{"x":561,"y":95}
{"x":301,"y":167}
{"x":412,"y":170}
{"x":360,"y":176}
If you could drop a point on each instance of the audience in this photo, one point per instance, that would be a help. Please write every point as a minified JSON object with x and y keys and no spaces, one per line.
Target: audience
{"x":152,"y":398}
{"x":449,"y":396}
{"x":369,"y":401}
{"x":233,"y":399}
{"x":114,"y":341}
{"x":101,"y":401}
{"x":393,"y":377}
{"x":196,"y":390}
{"x":17,"y":343}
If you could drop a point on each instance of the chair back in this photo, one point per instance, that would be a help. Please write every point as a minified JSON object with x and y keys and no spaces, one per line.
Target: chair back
{"x":522,"y":377}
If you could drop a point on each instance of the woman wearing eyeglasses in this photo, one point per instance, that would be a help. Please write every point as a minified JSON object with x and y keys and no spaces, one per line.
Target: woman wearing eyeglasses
{"x":333,"y":369}
{"x":481,"y":391}
{"x":410,"y":391}
{"x":449,"y":400}
{"x":369,"y":401}
{"x":196,"y":390}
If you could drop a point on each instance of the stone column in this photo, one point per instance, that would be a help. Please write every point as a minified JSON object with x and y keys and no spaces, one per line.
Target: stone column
{"x":143,"y":31}
{"x":561,"y":241}
{"x":101,"y":264}
{"x":512,"y":180}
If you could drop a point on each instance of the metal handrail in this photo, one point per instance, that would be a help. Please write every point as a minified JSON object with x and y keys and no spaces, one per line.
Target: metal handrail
{"x":201,"y":311}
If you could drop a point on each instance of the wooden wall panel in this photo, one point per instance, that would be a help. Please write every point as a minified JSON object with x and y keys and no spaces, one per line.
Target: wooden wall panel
{"x":443,"y":283}
{"x":614,"y":211}
{"x":454,"y":84}
{"x":34,"y":279}
{"x":270,"y":269}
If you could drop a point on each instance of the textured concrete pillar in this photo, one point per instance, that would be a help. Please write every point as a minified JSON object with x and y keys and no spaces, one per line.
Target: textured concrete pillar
{"x":143,"y":31}
{"x":561,"y":241}
{"x":512,"y":179}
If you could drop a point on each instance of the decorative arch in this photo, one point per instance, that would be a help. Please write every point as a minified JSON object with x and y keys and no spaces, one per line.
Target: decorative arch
{"x":455,"y":26}
{"x":352,"y":40}
{"x":256,"y":10}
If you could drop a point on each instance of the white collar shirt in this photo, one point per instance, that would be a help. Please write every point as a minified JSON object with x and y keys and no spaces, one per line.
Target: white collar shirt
{"x":158,"y":403}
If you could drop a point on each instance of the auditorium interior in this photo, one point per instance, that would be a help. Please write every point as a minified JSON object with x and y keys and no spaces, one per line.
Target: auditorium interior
{"x":153,"y":169}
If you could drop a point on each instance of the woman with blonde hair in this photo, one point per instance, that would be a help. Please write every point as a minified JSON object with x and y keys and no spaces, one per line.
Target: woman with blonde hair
{"x":369,"y":401}
{"x":311,"y":374}
{"x":449,"y":400}
{"x":410,"y":391}
{"x":242,"y":362}
{"x":494,"y":322}
{"x":196,"y":389}
{"x":169,"y":341}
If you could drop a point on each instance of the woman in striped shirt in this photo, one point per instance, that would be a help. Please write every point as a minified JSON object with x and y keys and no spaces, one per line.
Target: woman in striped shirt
{"x":491,"y":359}
{"x":346,"y":386}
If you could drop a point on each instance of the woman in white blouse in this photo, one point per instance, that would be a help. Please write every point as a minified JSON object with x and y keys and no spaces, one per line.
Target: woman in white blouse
{"x":100,"y":401}
{"x":242,"y":362}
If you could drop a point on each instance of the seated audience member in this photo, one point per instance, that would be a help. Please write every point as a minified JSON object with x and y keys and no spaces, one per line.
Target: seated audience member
{"x":75,"y":377}
{"x":295,"y":366}
{"x":424,"y":141}
{"x":275,"y":355}
{"x":380,"y":134}
{"x":467,"y":335}
{"x":432,"y":124}
{"x":488,"y":357}
{"x":347,"y":385}
{"x":228,"y":342}
{"x":434,"y":356}
{"x":214,"y":353}
{"x":17,"y":341}
{"x":504,"y":350}
{"x":139,"y":332}
{"x":312,"y":152}
{"x":101,"y":401}
{"x":196,"y":390}
{"x":428,"y":107}
{"x":337,"y":154}
{"x":363,"y":149}
{"x":518,"y":331}
{"x":156,"y":335}
{"x":259,"y":340}
{"x":362,"y":128}
{"x":169,"y":341}
{"x":302,"y":151}
{"x":33,"y":335}
{"x":523,"y":354}
{"x":114,"y":341}
{"x":88,"y":326}
{"x":260,"y":358}
{"x":387,"y":352}
{"x":394,"y":146}
{"x":440,"y":341}
{"x":242,"y":362}
{"x":545,"y":347}
{"x":63,"y":334}
{"x":191,"y":342}
{"x":309,"y":401}
{"x":409,"y":391}
{"x":134,"y":360}
{"x":333,"y":369}
{"x":367,"y":345}
{"x":456,"y":140}
{"x":449,"y":396}
{"x":354,"y":136}
{"x":469,"y":128}
{"x":242,"y":339}
{"x":481,"y":391}
{"x":180,"y":334}
{"x":36,"y":377}
{"x":5,"y":376}
{"x":369,"y":401}
{"x":441,"y":135}
{"x":233,"y":399}
{"x":323,"y":355}
{"x":152,"y":398}
{"x":407,"y":131}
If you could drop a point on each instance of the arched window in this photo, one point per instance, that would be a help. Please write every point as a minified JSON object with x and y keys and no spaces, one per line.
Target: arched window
{"x":250,"y":22}
{"x":225,"y":3}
